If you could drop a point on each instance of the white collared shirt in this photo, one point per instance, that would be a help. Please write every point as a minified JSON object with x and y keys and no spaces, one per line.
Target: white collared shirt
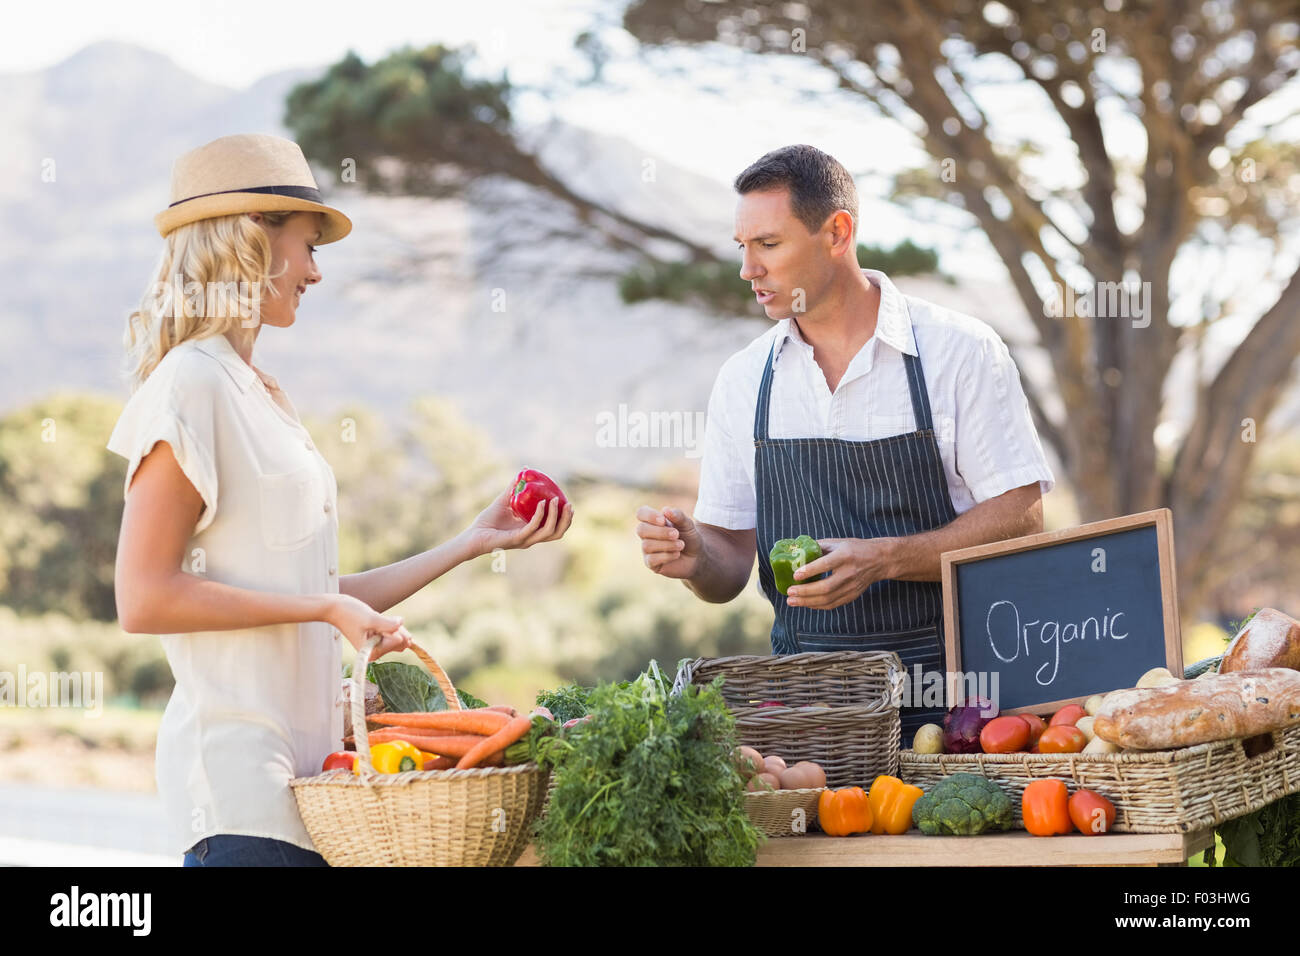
{"x":254,"y":707}
{"x":982,"y":422}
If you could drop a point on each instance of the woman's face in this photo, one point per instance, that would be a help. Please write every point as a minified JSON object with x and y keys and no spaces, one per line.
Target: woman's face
{"x":292,"y":246}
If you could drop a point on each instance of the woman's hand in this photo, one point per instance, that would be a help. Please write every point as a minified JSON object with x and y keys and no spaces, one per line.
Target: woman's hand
{"x":357,"y":621}
{"x":499,"y":527}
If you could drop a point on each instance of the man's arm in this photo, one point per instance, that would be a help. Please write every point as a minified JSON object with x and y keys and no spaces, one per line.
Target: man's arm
{"x":1016,"y":513}
{"x":725,"y":563}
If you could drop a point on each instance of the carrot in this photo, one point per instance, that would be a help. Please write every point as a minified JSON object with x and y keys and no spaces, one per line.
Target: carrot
{"x":440,"y":763}
{"x":503,"y":708}
{"x":484,"y":722}
{"x":400,"y":733}
{"x":502,"y":739}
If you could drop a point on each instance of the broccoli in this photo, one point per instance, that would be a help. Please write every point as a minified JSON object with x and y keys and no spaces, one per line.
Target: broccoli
{"x":963,"y":804}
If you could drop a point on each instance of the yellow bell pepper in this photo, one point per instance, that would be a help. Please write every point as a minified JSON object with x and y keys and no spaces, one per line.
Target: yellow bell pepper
{"x":396,"y":756}
{"x":891,"y":805}
{"x":844,"y":812}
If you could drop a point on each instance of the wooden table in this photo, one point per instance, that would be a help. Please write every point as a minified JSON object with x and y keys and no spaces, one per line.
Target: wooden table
{"x":1016,"y":848}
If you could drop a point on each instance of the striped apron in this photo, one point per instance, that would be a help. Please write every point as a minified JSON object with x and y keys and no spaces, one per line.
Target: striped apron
{"x":832,"y":488}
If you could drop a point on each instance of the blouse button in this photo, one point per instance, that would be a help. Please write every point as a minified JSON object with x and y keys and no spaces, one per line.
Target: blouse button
{"x":327,"y":507}
{"x":333,"y":571}
{"x":307,"y":445}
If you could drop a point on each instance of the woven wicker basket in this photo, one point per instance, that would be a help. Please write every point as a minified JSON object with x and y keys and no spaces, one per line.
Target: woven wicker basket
{"x":1162,"y":791}
{"x":480,"y":817}
{"x":855,"y":732}
{"x":775,"y":814}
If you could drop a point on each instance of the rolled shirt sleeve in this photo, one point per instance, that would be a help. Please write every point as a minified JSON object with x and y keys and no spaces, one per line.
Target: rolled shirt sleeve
{"x":726,"y":498}
{"x":184,"y":419}
{"x":997,"y":445}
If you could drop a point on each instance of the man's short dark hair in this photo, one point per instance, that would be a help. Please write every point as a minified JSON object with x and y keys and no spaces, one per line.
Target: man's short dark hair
{"x":818,"y":184}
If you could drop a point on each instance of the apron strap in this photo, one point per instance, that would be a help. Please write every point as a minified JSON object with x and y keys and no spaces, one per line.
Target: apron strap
{"x":920,"y":397}
{"x":764,"y":397}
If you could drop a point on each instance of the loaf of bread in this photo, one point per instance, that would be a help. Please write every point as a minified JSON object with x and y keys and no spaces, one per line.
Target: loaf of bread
{"x":1269,"y":639}
{"x":1190,"y":712}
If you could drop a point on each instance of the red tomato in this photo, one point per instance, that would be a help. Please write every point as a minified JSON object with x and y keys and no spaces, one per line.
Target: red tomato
{"x":1067,"y":716}
{"x":1036,"y":726}
{"x":1004,"y":735}
{"x":1062,"y":739}
{"x":339,"y":760}
{"x":1091,"y":813}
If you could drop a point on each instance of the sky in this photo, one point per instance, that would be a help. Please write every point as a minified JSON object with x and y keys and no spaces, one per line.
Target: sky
{"x":712,"y":117}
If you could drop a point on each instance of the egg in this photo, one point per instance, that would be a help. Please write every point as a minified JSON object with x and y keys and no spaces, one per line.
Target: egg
{"x":748,"y":761}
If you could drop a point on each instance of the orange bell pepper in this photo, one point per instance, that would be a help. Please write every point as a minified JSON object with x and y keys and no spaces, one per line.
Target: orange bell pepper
{"x":844,"y":812}
{"x":891,"y":805}
{"x":1045,"y":806}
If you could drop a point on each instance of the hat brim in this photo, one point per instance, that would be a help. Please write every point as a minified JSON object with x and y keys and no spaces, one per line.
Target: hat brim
{"x":335,"y":227}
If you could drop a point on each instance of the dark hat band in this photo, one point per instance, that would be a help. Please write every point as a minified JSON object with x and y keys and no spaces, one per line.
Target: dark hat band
{"x":309,"y":193}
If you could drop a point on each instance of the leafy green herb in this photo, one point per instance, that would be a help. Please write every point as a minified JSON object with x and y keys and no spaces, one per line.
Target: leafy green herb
{"x":648,"y":781}
{"x":1268,"y":837}
{"x":407,"y":689}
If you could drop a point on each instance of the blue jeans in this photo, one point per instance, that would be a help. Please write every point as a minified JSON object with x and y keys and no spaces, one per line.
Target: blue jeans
{"x":233,"y":850}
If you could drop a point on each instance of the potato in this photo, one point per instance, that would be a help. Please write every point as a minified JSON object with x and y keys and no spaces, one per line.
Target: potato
{"x":748,"y":761}
{"x":1093,"y":704}
{"x":762,"y":783}
{"x":1085,"y":724}
{"x":1099,"y":746}
{"x":928,"y":739}
{"x":1157,"y":677}
{"x":774,"y":765}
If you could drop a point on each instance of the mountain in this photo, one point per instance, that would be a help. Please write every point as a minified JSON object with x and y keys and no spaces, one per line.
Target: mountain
{"x":498,"y":300}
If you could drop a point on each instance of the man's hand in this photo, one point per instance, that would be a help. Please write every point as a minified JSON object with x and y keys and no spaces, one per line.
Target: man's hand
{"x":854,"y":565}
{"x":670,"y":541}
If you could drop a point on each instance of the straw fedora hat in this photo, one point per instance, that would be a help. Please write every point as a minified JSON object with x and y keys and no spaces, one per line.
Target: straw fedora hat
{"x":248,"y":172}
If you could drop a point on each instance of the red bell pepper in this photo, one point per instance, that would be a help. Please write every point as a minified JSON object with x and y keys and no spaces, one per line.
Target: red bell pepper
{"x":531,"y":489}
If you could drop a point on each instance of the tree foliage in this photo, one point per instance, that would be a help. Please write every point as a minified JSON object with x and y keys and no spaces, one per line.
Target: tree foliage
{"x":1161,"y":174}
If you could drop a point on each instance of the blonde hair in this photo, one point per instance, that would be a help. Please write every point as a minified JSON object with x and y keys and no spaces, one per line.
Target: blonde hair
{"x":228,"y":255}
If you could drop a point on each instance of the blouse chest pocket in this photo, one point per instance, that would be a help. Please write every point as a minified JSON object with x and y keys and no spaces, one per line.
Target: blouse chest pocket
{"x":292,"y":506}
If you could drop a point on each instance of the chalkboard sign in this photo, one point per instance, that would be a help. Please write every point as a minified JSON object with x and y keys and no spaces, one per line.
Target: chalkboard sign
{"x":1051,"y":619}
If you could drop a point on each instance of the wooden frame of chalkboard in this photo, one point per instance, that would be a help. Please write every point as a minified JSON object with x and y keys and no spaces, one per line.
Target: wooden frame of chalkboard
{"x":1149,"y":530}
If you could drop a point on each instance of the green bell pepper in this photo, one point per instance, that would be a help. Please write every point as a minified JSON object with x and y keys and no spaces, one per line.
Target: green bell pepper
{"x":790,"y":554}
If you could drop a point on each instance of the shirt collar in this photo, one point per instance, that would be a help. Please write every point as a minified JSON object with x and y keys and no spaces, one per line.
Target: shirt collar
{"x":219,"y":347}
{"x":893,"y":323}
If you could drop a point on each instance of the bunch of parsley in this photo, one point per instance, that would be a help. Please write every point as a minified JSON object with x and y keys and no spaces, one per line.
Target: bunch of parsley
{"x":648,"y":781}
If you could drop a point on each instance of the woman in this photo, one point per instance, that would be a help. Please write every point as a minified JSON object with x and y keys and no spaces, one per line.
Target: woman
{"x":229,"y":540}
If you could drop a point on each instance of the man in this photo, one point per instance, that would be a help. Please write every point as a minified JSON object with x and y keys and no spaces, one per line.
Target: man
{"x":890,"y":429}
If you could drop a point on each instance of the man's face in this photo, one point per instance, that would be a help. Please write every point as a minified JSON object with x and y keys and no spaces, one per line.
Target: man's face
{"x":784,"y":264}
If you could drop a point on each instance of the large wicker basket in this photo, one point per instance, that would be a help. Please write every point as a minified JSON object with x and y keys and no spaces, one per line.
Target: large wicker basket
{"x":1159,"y":791}
{"x":480,"y":817}
{"x":840,"y":708}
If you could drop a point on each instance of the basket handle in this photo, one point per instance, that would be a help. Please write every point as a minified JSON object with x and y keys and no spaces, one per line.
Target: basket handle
{"x":359,"y":731}
{"x":684,"y":675}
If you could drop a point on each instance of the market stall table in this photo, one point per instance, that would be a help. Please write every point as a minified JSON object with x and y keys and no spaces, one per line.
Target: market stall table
{"x":1016,"y":848}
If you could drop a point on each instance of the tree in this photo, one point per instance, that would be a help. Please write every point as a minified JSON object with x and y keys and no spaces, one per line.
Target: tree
{"x":61,"y":502}
{"x":417,"y":123}
{"x":1175,"y":79}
